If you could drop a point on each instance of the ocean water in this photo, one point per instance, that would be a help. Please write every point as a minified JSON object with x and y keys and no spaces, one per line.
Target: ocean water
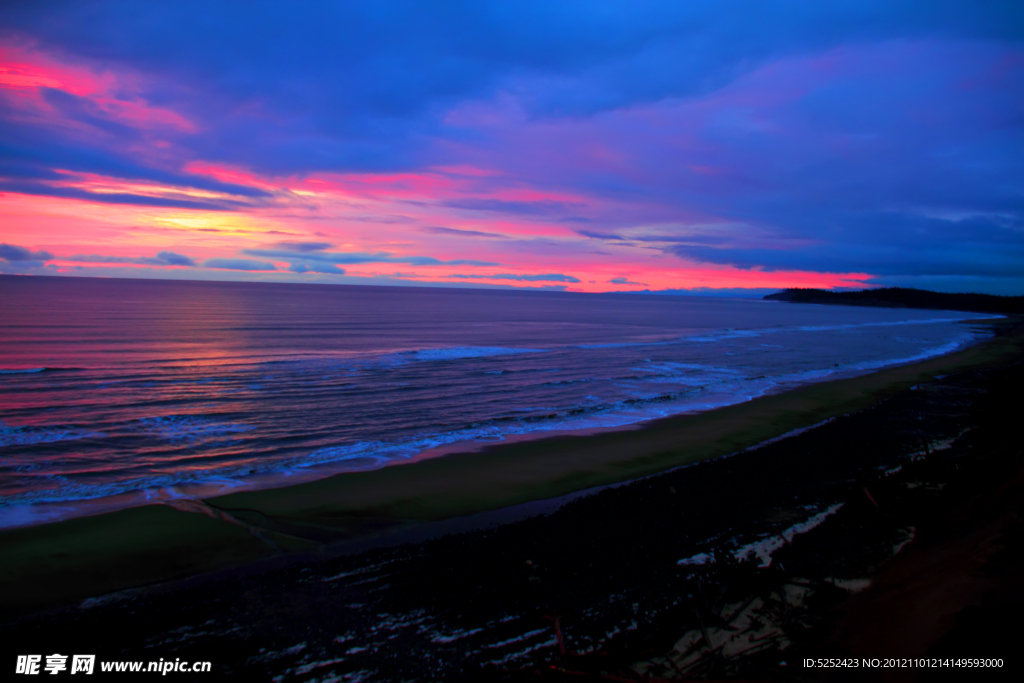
{"x":117,"y":391}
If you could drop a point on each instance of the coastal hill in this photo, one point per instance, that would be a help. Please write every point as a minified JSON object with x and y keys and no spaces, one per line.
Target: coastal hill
{"x":901,"y":297}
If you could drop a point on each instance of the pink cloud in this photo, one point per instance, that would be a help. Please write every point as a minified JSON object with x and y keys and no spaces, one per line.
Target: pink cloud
{"x":118,"y":96}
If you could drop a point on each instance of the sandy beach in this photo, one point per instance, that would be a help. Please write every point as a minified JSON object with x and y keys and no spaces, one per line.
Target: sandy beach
{"x":278,"y":588}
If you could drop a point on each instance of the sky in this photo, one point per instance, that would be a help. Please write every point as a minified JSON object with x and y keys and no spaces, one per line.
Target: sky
{"x":704,"y":147}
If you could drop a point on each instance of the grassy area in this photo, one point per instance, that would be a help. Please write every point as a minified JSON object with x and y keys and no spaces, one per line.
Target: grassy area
{"x":78,"y":558}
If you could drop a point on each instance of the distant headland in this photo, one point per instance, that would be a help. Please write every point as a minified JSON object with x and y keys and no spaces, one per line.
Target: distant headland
{"x":901,"y":297}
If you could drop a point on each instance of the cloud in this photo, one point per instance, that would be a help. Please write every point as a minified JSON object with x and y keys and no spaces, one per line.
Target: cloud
{"x":303,"y":247}
{"x":368,"y":86}
{"x":168,"y":201}
{"x":611,"y":237}
{"x":814,"y":164}
{"x":238,"y":264}
{"x":51,"y":156}
{"x":316,"y":268}
{"x":549,"y":277}
{"x":624,"y":281}
{"x":462,"y":233}
{"x":883,"y":243}
{"x":835,"y":137}
{"x":172,"y":259}
{"x":351,"y":258}
{"x":540,"y":208}
{"x":12,"y":252}
{"x":404,"y":58}
{"x":688,"y":237}
{"x":163,"y":258}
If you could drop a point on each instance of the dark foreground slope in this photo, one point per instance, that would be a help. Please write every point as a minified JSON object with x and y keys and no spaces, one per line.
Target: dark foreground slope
{"x":900,"y":297}
{"x":922,"y":557}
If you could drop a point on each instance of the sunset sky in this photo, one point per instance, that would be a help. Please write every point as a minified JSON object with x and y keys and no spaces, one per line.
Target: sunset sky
{"x":587,"y":146}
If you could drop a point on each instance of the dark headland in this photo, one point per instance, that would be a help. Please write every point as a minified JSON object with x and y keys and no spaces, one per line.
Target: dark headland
{"x":889,"y":528}
{"x":902,"y":297}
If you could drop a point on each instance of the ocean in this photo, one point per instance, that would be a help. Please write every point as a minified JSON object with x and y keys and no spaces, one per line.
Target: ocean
{"x":116,"y":392}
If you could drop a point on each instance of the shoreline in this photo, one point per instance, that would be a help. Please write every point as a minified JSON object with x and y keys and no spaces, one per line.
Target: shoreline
{"x":31,"y":512}
{"x":875,"y":534}
{"x":546,"y":466}
{"x":140,"y":546}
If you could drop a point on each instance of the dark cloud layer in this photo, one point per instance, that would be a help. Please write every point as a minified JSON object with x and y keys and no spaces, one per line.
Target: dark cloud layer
{"x":356,"y":85}
{"x":880,"y":243}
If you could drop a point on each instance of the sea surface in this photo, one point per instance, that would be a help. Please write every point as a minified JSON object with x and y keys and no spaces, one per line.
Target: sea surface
{"x":114,"y":392}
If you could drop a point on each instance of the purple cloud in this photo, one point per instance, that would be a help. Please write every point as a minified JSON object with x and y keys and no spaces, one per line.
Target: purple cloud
{"x":238,"y":264}
{"x":13,"y":252}
{"x":163,"y":258}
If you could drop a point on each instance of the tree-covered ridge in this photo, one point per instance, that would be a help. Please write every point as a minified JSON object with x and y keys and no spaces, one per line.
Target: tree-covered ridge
{"x":901,"y":297}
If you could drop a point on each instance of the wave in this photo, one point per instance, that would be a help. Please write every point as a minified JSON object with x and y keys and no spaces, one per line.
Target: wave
{"x":714,"y":388}
{"x":663,"y":372}
{"x":863,"y":366}
{"x":731,"y":333}
{"x":942,"y":350}
{"x":189,"y":428}
{"x":756,"y":332}
{"x":357,"y":362}
{"x":373,"y":361}
{"x":925,"y":321}
{"x":34,"y":371}
{"x":27,"y":435}
{"x":361,"y":455}
{"x":727,"y":334}
{"x":623,"y":345}
{"x":460,"y":352}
